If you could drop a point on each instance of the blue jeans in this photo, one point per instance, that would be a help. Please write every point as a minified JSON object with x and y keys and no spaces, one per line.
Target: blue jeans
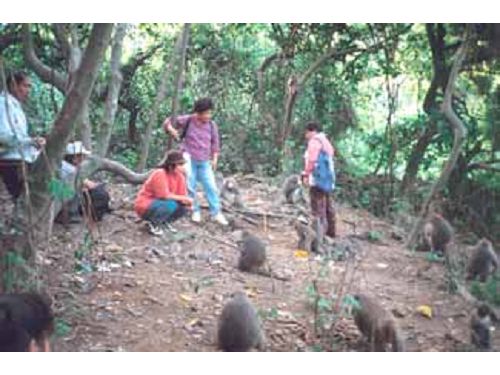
{"x":164,"y":211}
{"x":201,"y":171}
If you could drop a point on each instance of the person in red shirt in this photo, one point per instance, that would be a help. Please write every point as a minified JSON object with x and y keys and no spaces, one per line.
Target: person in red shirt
{"x":163,"y":198}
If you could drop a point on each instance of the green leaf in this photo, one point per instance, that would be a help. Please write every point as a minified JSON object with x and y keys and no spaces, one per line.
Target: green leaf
{"x":60,"y":190}
{"x":61,"y":328}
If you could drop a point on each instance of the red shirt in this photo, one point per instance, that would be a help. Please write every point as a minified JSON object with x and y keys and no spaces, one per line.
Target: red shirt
{"x":159,"y":185}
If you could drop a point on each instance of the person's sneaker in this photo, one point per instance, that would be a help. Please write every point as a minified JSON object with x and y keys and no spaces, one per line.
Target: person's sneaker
{"x":170,"y":228}
{"x":219,"y":218}
{"x":196,"y":217}
{"x":154,"y":230}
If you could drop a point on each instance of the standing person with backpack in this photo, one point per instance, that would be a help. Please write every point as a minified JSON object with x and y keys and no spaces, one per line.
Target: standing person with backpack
{"x":200,"y":144}
{"x":319,"y":175}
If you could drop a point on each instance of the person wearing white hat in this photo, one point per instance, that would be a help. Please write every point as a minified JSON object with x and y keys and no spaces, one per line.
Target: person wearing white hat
{"x":94,"y":200}
{"x":74,"y":156}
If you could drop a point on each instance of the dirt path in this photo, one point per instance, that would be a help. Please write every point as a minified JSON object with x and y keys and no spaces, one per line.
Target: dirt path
{"x":153,"y":294}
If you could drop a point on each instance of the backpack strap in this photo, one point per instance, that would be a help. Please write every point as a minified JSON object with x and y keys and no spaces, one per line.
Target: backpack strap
{"x":186,"y":127}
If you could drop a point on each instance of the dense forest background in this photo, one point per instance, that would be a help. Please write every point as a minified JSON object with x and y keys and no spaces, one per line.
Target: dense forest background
{"x":413,"y":110}
{"x":376,"y":88}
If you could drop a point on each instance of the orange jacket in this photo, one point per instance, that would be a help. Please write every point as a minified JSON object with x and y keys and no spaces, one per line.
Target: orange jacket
{"x":159,"y":185}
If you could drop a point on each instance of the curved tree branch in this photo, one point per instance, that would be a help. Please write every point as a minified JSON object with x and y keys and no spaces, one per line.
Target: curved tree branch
{"x":460,"y":133}
{"x":94,"y":164}
{"x":47,"y":74}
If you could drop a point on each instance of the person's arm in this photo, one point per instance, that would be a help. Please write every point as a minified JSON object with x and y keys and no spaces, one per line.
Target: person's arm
{"x":89,"y":184}
{"x":214,"y":145}
{"x":183,"y":199}
{"x":163,"y":191}
{"x":173,"y":129}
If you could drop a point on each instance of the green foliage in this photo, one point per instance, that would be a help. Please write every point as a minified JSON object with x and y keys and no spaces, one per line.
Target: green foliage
{"x":82,"y":255}
{"x":488,"y":291}
{"x":60,"y":190}
{"x":15,"y":272}
{"x":434,"y":257}
{"x":61,"y":328}
{"x":374,"y":236}
{"x":268,"y":314}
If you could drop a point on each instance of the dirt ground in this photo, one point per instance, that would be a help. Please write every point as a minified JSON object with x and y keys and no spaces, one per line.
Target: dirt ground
{"x":149,"y":293}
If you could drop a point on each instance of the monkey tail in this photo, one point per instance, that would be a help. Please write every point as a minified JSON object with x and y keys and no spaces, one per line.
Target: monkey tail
{"x":270,"y":274}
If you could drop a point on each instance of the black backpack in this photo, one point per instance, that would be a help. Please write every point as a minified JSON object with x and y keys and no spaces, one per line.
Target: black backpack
{"x":95,"y":203}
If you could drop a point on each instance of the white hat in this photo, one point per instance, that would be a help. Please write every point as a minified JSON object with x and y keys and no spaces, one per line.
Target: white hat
{"x":76,"y":148}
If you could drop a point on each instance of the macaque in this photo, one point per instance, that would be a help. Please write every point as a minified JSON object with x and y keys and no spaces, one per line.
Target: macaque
{"x":229,"y":191}
{"x":308,"y":239}
{"x":239,"y":326}
{"x":377,"y":325}
{"x":480,"y":324}
{"x":292,"y":189}
{"x":484,"y":261}
{"x":253,"y":257}
{"x":438,"y":233}
{"x":253,"y":253}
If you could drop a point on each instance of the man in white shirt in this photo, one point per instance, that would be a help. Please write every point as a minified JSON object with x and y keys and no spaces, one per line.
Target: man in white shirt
{"x":16,"y":146}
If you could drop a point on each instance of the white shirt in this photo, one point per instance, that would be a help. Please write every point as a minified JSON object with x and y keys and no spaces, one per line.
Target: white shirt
{"x":11,"y":141}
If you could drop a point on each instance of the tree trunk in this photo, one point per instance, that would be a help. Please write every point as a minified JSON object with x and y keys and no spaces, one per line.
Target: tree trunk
{"x":113,"y":91}
{"x":83,"y":130}
{"x":132,"y":126}
{"x":459,"y":131}
{"x":71,"y":110}
{"x":436,"y":37}
{"x":179,"y":49}
{"x":180,"y":71}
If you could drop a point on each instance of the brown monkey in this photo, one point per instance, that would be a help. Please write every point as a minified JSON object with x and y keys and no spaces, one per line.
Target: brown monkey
{"x":483,"y":262}
{"x":253,"y":257}
{"x":480,"y":324}
{"x":377,"y":325}
{"x":308,"y":240}
{"x":438,"y":233}
{"x":229,"y":191}
{"x":292,"y":189}
{"x":253,"y":253}
{"x":239,"y":326}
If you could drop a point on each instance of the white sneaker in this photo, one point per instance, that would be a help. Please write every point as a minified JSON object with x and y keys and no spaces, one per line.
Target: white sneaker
{"x":196,"y":217}
{"x":170,"y":228}
{"x":219,"y":218}
{"x":154,"y":230}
